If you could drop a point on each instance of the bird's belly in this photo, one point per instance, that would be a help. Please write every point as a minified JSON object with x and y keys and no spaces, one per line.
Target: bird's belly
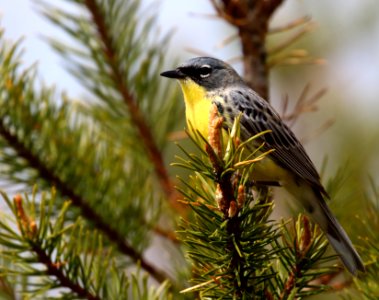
{"x":267,"y":170}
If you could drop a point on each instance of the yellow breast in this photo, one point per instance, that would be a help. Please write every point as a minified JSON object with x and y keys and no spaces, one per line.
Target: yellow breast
{"x":197,"y":106}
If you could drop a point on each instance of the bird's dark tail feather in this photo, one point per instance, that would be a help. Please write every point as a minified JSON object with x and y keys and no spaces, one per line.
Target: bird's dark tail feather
{"x":340,"y":241}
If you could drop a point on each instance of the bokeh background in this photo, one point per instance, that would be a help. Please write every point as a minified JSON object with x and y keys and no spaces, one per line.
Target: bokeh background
{"x":345,"y":36}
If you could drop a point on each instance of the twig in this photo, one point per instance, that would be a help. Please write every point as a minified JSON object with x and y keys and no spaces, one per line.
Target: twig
{"x":198,"y":203}
{"x":288,"y":286}
{"x":168,"y":234}
{"x":303,"y":104}
{"x":197,"y":52}
{"x":288,"y":42}
{"x":317,"y":132}
{"x":295,"y":23}
{"x":295,"y":57}
{"x":54,"y":270}
{"x":227,"y":40}
{"x":177,"y":135}
{"x":342,"y":285}
{"x":337,"y":286}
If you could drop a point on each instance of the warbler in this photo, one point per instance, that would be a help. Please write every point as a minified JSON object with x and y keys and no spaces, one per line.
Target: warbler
{"x":206,"y":81}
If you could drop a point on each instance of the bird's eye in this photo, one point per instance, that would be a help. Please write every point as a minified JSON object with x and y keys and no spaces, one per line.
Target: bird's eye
{"x":205,"y":71}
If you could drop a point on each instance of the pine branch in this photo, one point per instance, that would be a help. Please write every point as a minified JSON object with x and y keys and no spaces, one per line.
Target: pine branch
{"x":236,"y":250}
{"x":33,"y":243}
{"x":111,"y":76}
{"x":304,"y":250}
{"x":63,"y":256}
{"x":54,"y":270}
{"x":87,"y":211}
{"x":227,"y":243}
{"x":136,"y":115}
{"x":26,"y":119}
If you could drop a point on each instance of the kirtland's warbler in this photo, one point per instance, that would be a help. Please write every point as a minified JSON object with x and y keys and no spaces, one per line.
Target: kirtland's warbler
{"x":206,"y":81}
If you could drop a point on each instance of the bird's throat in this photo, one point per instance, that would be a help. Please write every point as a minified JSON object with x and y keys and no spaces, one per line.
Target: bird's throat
{"x":197,"y":106}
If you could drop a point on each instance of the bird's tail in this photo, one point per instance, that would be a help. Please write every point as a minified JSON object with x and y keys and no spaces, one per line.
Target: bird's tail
{"x":314,"y":203}
{"x":338,"y":238}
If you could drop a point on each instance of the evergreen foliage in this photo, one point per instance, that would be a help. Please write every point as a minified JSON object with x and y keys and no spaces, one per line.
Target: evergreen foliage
{"x":48,"y":256}
{"x":238,"y":252}
{"x":106,"y":199}
{"x":367,"y":286}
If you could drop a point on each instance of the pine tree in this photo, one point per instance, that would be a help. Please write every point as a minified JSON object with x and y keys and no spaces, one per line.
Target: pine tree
{"x":93,"y":189}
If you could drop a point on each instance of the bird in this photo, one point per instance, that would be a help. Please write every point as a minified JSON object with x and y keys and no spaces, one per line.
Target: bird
{"x":207,"y":81}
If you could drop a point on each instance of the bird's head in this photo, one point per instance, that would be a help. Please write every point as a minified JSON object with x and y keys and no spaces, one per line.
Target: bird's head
{"x":207,"y":72}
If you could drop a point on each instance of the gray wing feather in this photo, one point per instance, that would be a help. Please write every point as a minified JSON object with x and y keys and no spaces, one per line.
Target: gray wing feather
{"x":258,"y":116}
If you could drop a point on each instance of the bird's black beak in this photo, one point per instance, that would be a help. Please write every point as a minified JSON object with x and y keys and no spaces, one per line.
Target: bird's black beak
{"x":177,"y":74}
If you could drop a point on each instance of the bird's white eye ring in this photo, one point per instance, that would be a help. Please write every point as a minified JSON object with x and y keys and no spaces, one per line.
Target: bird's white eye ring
{"x":205,"y":71}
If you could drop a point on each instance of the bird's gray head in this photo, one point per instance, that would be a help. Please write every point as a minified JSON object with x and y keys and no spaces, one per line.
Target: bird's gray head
{"x":211,"y":73}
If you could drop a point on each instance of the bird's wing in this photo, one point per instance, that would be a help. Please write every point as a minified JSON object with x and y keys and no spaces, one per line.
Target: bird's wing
{"x":257,"y":116}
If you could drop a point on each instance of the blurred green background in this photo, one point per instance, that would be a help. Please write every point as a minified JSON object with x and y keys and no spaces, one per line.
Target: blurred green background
{"x":345,"y":34}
